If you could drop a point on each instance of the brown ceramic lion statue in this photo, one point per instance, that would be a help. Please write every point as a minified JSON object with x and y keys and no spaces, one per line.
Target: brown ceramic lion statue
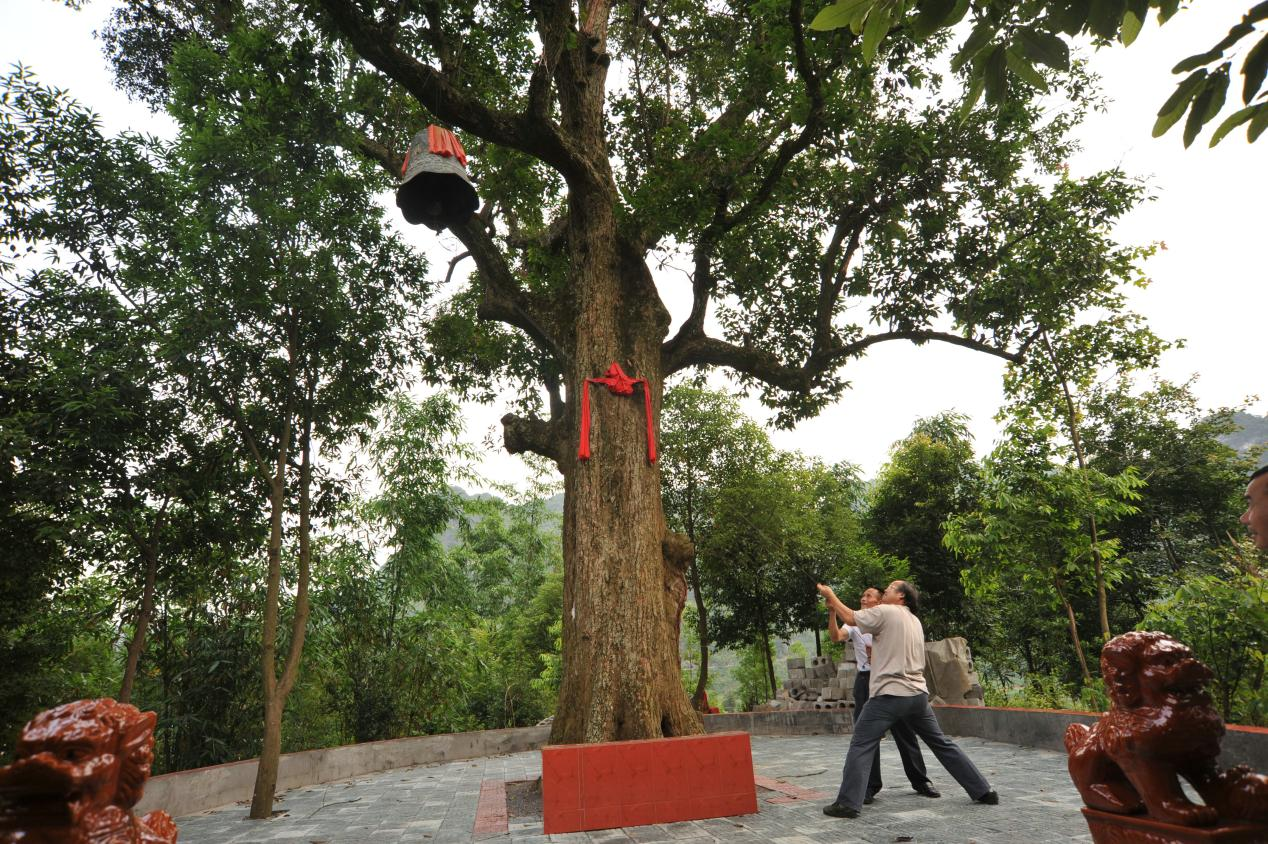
{"x":80,"y":770}
{"x":1161,"y":726}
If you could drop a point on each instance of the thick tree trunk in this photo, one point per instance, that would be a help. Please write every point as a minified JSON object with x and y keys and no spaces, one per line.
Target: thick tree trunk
{"x":137,"y":643}
{"x":622,"y":597}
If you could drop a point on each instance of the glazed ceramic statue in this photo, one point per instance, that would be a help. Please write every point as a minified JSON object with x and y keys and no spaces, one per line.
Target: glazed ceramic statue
{"x":1161,"y":726}
{"x":80,"y":770}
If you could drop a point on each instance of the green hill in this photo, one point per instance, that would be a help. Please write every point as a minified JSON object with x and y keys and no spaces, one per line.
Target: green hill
{"x":1252,"y":438}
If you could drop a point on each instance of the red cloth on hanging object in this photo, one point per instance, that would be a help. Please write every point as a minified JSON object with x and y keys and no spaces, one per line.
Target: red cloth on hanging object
{"x":445,"y":143}
{"x":618,"y":383}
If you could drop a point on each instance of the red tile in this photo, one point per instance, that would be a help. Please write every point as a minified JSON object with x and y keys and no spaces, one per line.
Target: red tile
{"x":641,"y":814}
{"x":604,"y":817}
{"x":561,"y":777}
{"x":561,"y":821}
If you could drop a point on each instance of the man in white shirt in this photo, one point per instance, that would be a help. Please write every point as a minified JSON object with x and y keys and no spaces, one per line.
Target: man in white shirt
{"x":898,"y":693}
{"x":904,"y":737}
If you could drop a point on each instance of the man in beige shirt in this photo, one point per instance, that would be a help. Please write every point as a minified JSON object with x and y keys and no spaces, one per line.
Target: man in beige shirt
{"x":904,"y":737}
{"x":898,"y":693}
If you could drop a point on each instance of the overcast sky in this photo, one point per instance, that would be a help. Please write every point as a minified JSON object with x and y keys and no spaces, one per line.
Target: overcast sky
{"x":1209,"y":209}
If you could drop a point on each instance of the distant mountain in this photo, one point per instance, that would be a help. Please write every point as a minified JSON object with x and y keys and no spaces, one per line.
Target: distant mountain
{"x":1252,"y":438}
{"x":450,"y":538}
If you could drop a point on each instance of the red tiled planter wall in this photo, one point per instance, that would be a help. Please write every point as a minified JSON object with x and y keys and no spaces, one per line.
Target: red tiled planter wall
{"x":634,"y":783}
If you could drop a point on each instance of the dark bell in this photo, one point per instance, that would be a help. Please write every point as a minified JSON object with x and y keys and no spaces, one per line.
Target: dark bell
{"x":435,"y":189}
{"x":437,"y":200}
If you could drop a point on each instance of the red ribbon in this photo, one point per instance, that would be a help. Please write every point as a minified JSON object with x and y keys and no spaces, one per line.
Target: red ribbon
{"x":620,"y":384}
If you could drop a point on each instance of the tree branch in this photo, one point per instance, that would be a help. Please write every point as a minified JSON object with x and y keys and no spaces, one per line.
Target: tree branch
{"x":521,"y":434}
{"x":503,"y":299}
{"x":525,"y":132}
{"x":766,"y":367}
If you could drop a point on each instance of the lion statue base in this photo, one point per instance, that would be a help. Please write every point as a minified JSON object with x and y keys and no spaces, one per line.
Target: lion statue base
{"x":1161,"y":727}
{"x":80,"y":770}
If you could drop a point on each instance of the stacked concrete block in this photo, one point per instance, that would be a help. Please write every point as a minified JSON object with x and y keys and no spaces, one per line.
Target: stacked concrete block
{"x":817,"y":683}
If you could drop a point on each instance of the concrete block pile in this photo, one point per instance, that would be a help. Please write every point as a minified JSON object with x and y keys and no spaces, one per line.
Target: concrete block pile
{"x":819,"y":683}
{"x":816,"y":683}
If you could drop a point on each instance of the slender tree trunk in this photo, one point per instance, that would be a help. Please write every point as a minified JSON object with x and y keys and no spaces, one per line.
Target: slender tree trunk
{"x":818,"y":644}
{"x":1074,"y":636}
{"x":702,"y":632}
{"x":270,"y":752}
{"x":770,"y":663}
{"x":1072,"y":420}
{"x":137,"y":643}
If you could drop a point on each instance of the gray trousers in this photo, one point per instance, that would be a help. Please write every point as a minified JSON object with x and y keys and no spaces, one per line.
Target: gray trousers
{"x":904,"y":739}
{"x":879,"y":714}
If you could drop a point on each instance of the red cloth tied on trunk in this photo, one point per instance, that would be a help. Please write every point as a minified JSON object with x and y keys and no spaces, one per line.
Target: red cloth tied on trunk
{"x":618,"y":383}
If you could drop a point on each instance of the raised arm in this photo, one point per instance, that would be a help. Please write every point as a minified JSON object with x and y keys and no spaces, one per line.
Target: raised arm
{"x":834,"y":630}
{"x":834,"y":604}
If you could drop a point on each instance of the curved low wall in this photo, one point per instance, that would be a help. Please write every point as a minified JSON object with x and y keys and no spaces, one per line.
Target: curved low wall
{"x":199,"y":789}
{"x":1046,"y":728}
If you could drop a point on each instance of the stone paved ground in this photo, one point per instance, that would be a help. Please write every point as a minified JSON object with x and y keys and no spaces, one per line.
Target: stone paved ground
{"x":436,"y":804}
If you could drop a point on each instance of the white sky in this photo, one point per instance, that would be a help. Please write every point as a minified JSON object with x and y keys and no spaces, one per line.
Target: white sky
{"x":1209,"y":285}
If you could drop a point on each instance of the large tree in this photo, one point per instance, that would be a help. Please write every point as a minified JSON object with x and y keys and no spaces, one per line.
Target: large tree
{"x":822,"y":205}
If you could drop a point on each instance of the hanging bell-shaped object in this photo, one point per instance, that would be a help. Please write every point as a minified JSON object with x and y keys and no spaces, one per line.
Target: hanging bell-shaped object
{"x":435,"y":189}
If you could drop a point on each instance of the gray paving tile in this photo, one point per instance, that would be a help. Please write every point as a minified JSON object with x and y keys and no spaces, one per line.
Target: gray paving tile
{"x":436,"y":804}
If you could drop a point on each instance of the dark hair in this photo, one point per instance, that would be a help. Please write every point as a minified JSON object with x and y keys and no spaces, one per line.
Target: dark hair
{"x":911,"y":596}
{"x":1262,"y":470}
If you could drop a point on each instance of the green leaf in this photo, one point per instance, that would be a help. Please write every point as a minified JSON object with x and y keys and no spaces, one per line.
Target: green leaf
{"x":1018,"y":65}
{"x":1044,"y":47}
{"x":1131,"y":27}
{"x":1105,"y":17}
{"x":840,"y":14}
{"x":1257,"y":13}
{"x":1071,"y":17}
{"x":875,"y":30}
{"x":1253,"y":70}
{"x":1206,"y":105}
{"x":1167,"y":8}
{"x":972,"y":96}
{"x":934,"y":15}
{"x":1234,"y":120}
{"x":978,"y":38}
{"x":1197,"y":61}
{"x":995,"y":72}
{"x":1258,"y":124}
{"x":1174,"y":107}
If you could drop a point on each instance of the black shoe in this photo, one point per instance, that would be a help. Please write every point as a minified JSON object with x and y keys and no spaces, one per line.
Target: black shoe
{"x":869,"y":799}
{"x":840,"y":810}
{"x":928,"y":790}
{"x":990,"y":798}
